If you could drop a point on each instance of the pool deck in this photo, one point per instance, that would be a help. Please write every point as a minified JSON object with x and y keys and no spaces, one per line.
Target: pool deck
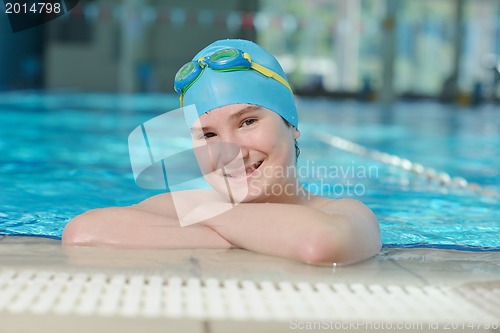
{"x":446,"y":272}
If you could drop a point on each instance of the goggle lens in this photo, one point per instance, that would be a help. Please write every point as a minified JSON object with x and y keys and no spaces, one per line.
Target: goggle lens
{"x":223,"y":56}
{"x":185,"y":71}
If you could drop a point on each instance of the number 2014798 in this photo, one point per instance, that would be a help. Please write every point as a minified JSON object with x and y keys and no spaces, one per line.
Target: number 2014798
{"x":34,"y":8}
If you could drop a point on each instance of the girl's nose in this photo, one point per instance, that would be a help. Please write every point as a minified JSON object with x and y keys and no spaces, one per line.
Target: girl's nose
{"x":217,"y":155}
{"x":240,"y":141}
{"x":244,"y":151}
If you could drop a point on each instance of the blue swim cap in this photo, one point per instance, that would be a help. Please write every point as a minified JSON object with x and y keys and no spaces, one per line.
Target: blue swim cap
{"x":214,"y":89}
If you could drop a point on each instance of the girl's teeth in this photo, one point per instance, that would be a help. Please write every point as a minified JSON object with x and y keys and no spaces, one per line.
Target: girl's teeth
{"x":254,"y":167}
{"x":251,"y":169}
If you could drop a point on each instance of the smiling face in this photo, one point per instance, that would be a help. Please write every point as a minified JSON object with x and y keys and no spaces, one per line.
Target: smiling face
{"x":248,"y":146}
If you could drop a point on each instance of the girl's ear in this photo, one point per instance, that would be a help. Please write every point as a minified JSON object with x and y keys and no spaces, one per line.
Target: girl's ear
{"x":296,"y":133}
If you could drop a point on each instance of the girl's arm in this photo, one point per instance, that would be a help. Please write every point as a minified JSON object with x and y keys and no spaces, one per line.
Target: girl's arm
{"x":135,"y":227}
{"x":344,"y":231}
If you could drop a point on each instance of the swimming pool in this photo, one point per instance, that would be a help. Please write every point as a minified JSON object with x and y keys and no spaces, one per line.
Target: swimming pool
{"x":65,"y":153}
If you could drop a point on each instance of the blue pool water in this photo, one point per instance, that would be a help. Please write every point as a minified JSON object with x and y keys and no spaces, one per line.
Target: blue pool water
{"x":62,"y":154}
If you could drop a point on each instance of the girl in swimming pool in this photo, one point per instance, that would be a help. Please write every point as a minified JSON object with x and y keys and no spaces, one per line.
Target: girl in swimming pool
{"x":241,"y":97}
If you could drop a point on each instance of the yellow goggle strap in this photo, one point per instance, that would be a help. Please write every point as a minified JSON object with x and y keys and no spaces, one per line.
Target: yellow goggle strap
{"x":273,"y":75}
{"x":267,"y":72}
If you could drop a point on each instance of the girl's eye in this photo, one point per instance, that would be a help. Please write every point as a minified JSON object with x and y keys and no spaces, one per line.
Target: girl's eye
{"x":207,"y":135}
{"x":248,"y":122}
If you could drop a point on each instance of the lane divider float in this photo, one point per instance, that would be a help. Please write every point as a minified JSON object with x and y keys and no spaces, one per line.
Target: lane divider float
{"x":442,"y":178}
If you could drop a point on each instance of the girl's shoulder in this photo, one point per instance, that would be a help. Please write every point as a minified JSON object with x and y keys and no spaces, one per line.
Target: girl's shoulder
{"x":333,"y":206}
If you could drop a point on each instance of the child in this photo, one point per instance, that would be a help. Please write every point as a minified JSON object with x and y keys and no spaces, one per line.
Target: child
{"x":242,"y":97}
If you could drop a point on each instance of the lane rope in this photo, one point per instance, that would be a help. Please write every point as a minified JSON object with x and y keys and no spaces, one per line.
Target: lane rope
{"x":432,"y":175}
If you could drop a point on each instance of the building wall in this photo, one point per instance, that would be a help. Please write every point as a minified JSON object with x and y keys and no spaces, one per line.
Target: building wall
{"x":20,"y":65}
{"x":130,"y":55}
{"x":75,"y":62}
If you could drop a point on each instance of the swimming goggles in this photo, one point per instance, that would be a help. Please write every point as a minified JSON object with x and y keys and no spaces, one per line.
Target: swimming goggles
{"x":225,"y":60}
